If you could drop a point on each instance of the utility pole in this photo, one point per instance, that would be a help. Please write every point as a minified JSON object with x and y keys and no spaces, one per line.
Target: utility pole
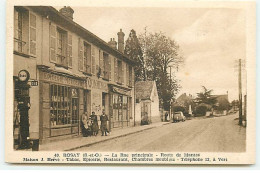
{"x":171,"y":98}
{"x":240,"y":92}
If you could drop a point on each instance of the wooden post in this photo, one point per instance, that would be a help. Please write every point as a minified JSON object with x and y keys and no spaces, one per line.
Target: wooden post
{"x":240,"y":93}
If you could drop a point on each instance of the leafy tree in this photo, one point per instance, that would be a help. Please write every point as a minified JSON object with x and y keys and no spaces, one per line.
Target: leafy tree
{"x":160,"y":53}
{"x":206,"y":97}
{"x":134,"y":51}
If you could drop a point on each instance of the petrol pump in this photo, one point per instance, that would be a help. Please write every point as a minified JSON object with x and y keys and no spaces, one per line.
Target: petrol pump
{"x":23,"y":105}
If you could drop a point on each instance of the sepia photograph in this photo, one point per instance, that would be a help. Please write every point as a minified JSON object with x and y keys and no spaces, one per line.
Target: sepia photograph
{"x":131,"y":83}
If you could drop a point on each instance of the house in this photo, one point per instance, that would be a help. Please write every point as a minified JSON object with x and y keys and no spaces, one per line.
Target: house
{"x":185,"y":101}
{"x":222,"y":104}
{"x":147,"y":102}
{"x":62,"y":70}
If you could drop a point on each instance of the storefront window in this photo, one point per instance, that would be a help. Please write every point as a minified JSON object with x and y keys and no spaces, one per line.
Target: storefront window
{"x":115,"y":107}
{"x":61,"y":110}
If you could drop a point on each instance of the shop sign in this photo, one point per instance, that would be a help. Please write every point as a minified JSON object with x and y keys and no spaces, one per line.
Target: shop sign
{"x":34,"y":83}
{"x":92,"y":83}
{"x":62,"y":79}
{"x":121,"y":91}
{"x":88,"y":83}
{"x":23,"y":76}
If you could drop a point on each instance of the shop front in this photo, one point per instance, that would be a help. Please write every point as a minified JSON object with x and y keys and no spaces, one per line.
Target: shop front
{"x":121,"y":106}
{"x":64,"y":99}
{"x":61,"y":97}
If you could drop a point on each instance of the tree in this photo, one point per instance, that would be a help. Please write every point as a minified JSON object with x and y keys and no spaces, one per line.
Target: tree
{"x":133,"y":50}
{"x":206,"y":97}
{"x":160,"y":53}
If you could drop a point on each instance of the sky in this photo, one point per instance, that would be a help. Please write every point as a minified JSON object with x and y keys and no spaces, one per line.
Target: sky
{"x":210,"y":39}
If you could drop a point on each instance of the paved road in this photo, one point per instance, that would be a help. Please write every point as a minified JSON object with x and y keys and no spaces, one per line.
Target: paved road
{"x":218,"y":134}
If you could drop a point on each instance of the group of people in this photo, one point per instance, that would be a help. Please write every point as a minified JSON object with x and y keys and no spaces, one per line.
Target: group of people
{"x":90,"y":126}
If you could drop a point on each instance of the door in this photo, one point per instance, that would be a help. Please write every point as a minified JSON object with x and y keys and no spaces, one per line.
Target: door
{"x":145,"y":113}
{"x":74,"y":111}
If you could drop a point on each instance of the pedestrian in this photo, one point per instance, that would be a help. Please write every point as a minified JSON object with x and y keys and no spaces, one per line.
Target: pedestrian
{"x":89,"y":129}
{"x":94,"y":123}
{"x":166,"y":115}
{"x":104,"y":119}
{"x":84,"y":125}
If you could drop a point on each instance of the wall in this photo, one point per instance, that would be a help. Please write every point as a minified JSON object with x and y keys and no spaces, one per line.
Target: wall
{"x":39,"y":124}
{"x":29,"y":64}
{"x":138,"y":113}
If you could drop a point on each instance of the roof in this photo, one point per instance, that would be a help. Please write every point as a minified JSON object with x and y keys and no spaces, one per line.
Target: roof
{"x":184,"y":97}
{"x":221,"y":97}
{"x":143,"y":89}
{"x":56,"y":16}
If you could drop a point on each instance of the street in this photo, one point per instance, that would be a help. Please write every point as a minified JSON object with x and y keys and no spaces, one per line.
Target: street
{"x":218,"y":134}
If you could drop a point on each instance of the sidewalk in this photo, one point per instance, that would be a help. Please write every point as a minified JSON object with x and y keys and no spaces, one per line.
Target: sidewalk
{"x":79,"y":141}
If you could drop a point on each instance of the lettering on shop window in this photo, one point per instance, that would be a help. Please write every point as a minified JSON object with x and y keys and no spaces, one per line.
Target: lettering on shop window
{"x":88,"y":83}
{"x":62,"y":79}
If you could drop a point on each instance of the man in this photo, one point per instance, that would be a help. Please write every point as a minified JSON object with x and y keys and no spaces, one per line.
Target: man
{"x":94,"y":127}
{"x":104,"y":119}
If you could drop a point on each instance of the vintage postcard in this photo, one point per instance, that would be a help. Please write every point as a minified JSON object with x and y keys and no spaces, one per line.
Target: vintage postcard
{"x":130,"y":82}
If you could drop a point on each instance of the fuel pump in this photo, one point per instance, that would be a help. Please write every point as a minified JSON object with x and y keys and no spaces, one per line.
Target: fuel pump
{"x":23,"y":105}
{"x":23,"y":100}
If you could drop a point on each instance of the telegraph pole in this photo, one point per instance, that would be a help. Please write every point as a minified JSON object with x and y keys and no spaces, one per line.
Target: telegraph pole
{"x":240,"y":93}
{"x":171,"y":98}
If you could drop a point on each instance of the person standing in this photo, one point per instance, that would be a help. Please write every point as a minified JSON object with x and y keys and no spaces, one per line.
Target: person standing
{"x":84,"y":125}
{"x":166,"y":116}
{"x":94,"y":124}
{"x":104,"y":119}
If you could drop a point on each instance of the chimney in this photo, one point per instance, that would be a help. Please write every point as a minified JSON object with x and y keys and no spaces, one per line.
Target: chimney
{"x":121,"y":41}
{"x":67,"y":11}
{"x":112,"y":43}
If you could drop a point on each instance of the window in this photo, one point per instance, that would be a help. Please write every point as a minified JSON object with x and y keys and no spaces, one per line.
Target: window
{"x":19,"y":44}
{"x":24,"y":31}
{"x":115,"y":107}
{"x":62,"y":48}
{"x":32,"y":34}
{"x":70,"y":50}
{"x":87,"y":58}
{"x":63,"y":105}
{"x":130,"y":76}
{"x":106,"y":66}
{"x":119,"y":72}
{"x":60,"y":105}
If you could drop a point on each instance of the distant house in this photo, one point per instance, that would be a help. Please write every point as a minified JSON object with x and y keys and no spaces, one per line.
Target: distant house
{"x":147,"y":102}
{"x":222,"y":104}
{"x":186,"y":101}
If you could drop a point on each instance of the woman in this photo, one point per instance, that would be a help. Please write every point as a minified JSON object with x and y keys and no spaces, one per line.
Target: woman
{"x":84,"y":125}
{"x":94,"y":124}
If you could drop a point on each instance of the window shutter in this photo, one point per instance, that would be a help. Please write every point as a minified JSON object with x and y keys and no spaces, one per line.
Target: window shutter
{"x":32,"y":31}
{"x":53,"y":35}
{"x":115,"y":70}
{"x":69,"y":50}
{"x":101,"y":63}
{"x":109,"y":67}
{"x":93,"y":52}
{"x":123,"y":73}
{"x":80,"y":54}
{"x":89,"y":59}
{"x":15,"y":23}
{"x":127,"y":74}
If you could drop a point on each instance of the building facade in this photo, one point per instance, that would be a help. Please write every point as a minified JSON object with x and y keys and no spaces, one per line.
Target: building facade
{"x":71,"y":71}
{"x":147,"y":102}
